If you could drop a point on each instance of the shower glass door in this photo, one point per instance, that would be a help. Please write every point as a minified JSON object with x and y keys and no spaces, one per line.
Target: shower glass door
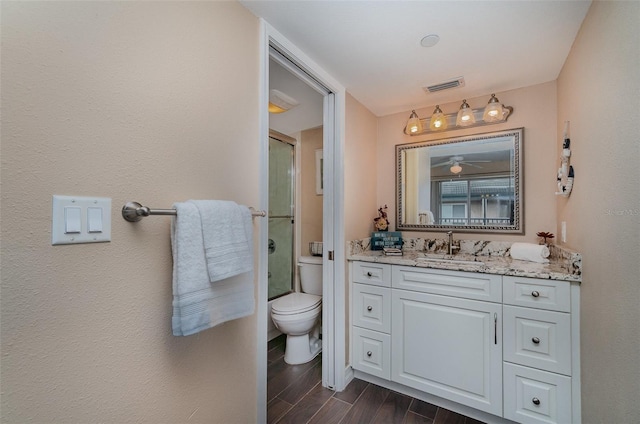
{"x":281,"y":214}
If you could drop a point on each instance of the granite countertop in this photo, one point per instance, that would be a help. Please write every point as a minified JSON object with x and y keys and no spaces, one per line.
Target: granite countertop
{"x":482,"y":257}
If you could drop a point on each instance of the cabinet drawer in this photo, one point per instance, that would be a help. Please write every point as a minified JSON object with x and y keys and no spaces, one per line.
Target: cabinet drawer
{"x":467,"y":285}
{"x":540,"y":339}
{"x":372,"y":352}
{"x":371,"y":273}
{"x":533,"y":396}
{"x":534,"y":293}
{"x":372,"y":307}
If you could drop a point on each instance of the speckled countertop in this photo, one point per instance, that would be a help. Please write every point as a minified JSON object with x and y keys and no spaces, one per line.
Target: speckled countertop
{"x":474,"y":256}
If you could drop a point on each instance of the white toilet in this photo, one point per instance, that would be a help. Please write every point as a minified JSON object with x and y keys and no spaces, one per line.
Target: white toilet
{"x":298,"y":314}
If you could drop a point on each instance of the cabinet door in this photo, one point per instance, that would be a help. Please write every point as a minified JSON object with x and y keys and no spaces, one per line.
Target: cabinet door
{"x":448,"y":347}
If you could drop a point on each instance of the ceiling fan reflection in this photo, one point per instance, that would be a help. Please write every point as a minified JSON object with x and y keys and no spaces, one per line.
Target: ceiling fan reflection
{"x":455,"y":163}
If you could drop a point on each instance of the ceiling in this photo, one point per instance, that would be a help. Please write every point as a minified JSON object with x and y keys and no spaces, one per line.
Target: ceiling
{"x":373,"y":47}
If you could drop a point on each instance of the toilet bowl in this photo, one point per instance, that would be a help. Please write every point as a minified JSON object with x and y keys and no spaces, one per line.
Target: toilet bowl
{"x":298,"y":314}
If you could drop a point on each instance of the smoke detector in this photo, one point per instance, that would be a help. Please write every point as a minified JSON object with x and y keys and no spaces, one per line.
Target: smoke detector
{"x":453,"y":83}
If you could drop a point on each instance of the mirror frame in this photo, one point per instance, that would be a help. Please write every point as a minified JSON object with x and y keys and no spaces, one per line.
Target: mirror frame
{"x":518,"y":168}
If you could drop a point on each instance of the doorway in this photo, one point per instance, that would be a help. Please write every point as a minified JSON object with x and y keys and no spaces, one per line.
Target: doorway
{"x":334,"y":369}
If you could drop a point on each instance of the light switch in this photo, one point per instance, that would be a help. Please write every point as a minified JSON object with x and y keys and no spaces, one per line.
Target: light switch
{"x":94,"y":220}
{"x":72,"y":220}
{"x":76,"y":219}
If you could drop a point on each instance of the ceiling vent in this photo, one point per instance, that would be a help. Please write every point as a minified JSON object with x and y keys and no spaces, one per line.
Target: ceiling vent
{"x":457,"y":82}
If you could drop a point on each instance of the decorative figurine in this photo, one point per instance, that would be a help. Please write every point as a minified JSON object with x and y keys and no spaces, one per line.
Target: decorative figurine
{"x":381,"y":223}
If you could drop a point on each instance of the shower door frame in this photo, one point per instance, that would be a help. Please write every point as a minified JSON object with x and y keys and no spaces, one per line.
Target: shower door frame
{"x":292,"y":142}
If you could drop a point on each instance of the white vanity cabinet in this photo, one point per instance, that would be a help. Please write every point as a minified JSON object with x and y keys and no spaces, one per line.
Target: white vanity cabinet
{"x":507,"y":346}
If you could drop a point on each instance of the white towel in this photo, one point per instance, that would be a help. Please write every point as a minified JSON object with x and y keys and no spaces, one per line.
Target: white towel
{"x":227,"y":234}
{"x":530,"y":252}
{"x":199,"y":304}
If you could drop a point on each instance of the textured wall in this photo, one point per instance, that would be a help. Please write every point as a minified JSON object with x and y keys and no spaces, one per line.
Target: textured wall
{"x":360,"y":180}
{"x":597,"y":89}
{"x":534,"y":108}
{"x":149,"y":101}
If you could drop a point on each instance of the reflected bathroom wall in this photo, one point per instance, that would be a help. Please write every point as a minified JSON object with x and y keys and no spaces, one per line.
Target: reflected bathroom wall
{"x":281,"y":217}
{"x":310,"y":200}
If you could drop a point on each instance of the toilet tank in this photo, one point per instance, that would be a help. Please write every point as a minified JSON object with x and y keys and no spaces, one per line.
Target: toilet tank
{"x":310,"y":268}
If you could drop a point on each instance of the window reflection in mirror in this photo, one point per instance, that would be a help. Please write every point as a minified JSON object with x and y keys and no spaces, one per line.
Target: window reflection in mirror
{"x":471,"y":184}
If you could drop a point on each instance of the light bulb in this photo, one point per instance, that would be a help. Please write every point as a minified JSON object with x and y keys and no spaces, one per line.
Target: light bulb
{"x":414,"y":126}
{"x":493,"y":112}
{"x":465,"y":115}
{"x":438,"y":120}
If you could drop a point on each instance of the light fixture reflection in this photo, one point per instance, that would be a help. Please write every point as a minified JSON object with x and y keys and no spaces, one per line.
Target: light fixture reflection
{"x":438,"y":120}
{"x":465,"y":115}
{"x":414,"y":126}
{"x":494,"y":111}
{"x":455,"y":168}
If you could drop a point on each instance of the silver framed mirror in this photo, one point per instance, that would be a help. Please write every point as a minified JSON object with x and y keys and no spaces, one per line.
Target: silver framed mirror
{"x":467,"y":184}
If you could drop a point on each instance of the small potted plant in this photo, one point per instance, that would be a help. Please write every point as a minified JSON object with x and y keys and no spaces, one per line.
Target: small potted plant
{"x":544,"y":236}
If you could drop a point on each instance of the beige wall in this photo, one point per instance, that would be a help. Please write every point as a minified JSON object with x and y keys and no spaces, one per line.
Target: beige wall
{"x":597,"y":88}
{"x":534,"y":108}
{"x":360,"y":179}
{"x":311,"y":203}
{"x":146,"y":101}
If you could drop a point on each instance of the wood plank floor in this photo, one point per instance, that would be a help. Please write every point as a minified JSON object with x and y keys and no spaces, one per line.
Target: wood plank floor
{"x":295,"y":396}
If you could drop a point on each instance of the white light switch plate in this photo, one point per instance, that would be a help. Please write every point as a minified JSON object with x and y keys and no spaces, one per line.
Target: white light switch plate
{"x":64,"y":226}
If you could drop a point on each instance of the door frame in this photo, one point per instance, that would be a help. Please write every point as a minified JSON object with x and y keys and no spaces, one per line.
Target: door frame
{"x":334,"y":369}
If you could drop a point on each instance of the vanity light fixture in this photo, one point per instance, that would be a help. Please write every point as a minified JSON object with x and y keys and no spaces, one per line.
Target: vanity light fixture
{"x":465,"y":115}
{"x":438,"y":120}
{"x":414,"y":126}
{"x":493,"y":111}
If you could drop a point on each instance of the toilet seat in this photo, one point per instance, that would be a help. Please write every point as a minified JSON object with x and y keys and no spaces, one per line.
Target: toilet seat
{"x":295,"y":303}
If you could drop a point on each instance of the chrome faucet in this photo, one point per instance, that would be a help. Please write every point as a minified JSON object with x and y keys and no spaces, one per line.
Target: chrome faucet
{"x":451,"y":246}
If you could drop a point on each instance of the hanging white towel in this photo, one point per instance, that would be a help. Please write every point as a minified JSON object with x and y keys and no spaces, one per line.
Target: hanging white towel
{"x":199,"y":304}
{"x":530,"y":252}
{"x":227,"y":235}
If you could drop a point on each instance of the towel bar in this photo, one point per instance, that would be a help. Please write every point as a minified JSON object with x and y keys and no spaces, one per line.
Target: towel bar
{"x":134,"y":212}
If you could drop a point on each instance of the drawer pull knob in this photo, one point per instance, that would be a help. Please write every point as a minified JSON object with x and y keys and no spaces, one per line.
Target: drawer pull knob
{"x":535,"y":401}
{"x":369,"y":308}
{"x":369,"y":274}
{"x":535,"y":293}
{"x":535,"y":340}
{"x":369,"y":354}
